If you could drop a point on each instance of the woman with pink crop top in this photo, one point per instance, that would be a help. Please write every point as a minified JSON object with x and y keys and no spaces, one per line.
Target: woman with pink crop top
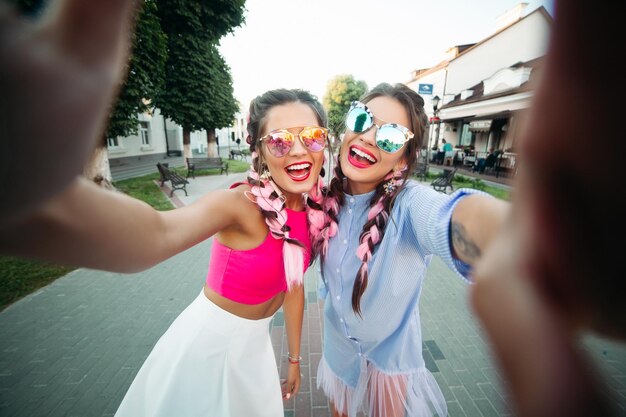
{"x":216,"y":359}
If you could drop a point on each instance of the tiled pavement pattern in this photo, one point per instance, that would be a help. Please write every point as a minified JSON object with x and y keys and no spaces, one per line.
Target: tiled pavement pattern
{"x":72,"y":348}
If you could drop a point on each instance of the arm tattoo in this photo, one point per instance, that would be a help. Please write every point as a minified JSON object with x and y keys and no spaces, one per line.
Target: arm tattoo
{"x":462,"y":245}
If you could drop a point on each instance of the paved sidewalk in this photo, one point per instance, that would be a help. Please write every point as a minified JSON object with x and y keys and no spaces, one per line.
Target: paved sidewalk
{"x":73,"y":347}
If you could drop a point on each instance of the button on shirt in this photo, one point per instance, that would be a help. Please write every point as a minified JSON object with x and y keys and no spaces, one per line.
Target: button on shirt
{"x":389,"y":334}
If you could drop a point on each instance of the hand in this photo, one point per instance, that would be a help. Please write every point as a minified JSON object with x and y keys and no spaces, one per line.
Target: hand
{"x":535,"y":342}
{"x":554,"y":273}
{"x":58,"y":78}
{"x":291,"y":385}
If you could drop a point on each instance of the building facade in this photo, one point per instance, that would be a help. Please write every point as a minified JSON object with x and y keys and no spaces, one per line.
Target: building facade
{"x":485,"y":87}
{"x":161,"y":140}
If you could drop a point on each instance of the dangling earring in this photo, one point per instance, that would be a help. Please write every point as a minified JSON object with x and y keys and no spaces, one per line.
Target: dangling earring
{"x":265,"y":175}
{"x":390,"y":186}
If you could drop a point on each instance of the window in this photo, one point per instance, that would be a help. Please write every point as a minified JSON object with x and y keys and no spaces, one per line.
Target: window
{"x":467,"y":136}
{"x":144,"y":133}
{"x":113,"y":142}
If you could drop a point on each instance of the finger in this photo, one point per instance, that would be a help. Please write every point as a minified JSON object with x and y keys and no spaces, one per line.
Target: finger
{"x":97,"y":31}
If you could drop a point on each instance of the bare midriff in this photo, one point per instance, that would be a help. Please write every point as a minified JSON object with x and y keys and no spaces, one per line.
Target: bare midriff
{"x":246,"y":311}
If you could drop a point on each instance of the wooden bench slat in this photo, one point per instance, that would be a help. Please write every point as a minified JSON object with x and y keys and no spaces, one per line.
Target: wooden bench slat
{"x":205,"y":163}
{"x":177,"y":182}
{"x":236,"y":153}
{"x":444,"y":181}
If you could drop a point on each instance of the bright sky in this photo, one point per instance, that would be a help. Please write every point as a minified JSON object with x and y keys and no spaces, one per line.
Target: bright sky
{"x":305,"y":43}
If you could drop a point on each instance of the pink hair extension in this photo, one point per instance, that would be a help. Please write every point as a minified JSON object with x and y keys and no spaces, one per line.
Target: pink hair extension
{"x":328,"y":229}
{"x":316,"y":216}
{"x":321,"y":226}
{"x":370,"y":237}
{"x":270,"y":200}
{"x":294,"y":263}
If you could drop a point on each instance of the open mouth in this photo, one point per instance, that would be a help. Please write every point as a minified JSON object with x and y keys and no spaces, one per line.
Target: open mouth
{"x":360,"y":158}
{"x":299,"y":171}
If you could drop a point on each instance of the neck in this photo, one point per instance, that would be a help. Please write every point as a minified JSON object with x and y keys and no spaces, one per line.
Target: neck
{"x":294,"y":202}
{"x":357,"y":188}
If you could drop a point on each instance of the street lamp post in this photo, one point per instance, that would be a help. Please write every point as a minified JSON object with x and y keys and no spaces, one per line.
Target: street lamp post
{"x":435,"y":100}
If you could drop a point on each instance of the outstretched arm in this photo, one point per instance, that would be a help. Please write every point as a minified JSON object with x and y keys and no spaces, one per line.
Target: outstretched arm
{"x":92,"y":227}
{"x":476,"y":221}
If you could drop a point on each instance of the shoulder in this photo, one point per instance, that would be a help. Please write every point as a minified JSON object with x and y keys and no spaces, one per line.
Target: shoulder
{"x":235,"y":200}
{"x":414,"y":189}
{"x":239,"y":195}
{"x":417,"y":199}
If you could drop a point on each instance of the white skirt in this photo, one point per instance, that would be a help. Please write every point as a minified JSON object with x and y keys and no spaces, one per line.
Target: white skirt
{"x":209,"y":363}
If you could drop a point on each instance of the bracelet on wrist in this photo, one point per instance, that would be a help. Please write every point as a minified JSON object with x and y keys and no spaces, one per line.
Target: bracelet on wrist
{"x":293,"y":359}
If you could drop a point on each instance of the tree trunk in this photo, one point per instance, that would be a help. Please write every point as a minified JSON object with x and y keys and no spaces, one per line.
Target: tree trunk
{"x":98,"y":169}
{"x":211,"y":143}
{"x":186,"y":143}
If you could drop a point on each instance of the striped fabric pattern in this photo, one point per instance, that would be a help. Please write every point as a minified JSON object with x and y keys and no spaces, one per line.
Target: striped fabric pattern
{"x":388,"y":336}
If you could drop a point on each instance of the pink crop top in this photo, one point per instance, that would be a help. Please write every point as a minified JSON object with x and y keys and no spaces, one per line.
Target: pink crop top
{"x":254,"y":276}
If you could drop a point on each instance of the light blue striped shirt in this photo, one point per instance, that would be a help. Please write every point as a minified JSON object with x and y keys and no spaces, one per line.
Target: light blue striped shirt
{"x":389,"y":334}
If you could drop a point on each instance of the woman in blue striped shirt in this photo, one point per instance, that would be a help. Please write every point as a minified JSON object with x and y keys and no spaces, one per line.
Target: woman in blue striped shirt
{"x":384,"y":231}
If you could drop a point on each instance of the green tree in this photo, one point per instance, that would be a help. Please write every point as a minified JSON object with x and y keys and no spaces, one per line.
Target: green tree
{"x":340,"y":92}
{"x":210,"y":19}
{"x":146,"y":74}
{"x":144,"y":79}
{"x":198,"y":91}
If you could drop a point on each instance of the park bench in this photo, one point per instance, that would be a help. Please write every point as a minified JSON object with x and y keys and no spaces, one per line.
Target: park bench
{"x":194,"y":164}
{"x":236,"y":153}
{"x":177,"y":182}
{"x":421,"y":171}
{"x":442,"y":182}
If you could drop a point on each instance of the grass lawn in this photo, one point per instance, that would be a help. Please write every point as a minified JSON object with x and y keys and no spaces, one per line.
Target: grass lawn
{"x":461,"y":181}
{"x":145,"y":189}
{"x":234,"y":165}
{"x":19,"y":277}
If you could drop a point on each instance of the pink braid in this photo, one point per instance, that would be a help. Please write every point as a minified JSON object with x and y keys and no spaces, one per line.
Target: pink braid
{"x":270,"y":200}
{"x":316,"y":216}
{"x":371,"y":236}
{"x":330,"y":207}
{"x":321,"y":226}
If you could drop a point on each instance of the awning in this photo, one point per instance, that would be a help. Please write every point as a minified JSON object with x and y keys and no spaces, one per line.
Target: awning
{"x":480,"y":125}
{"x":487,"y":107}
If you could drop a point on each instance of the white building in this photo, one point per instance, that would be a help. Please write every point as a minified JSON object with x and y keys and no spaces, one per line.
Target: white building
{"x":161,"y":140}
{"x":486,"y":86}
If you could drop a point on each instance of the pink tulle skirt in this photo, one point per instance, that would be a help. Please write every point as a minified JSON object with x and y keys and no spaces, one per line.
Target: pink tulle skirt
{"x":377,"y":394}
